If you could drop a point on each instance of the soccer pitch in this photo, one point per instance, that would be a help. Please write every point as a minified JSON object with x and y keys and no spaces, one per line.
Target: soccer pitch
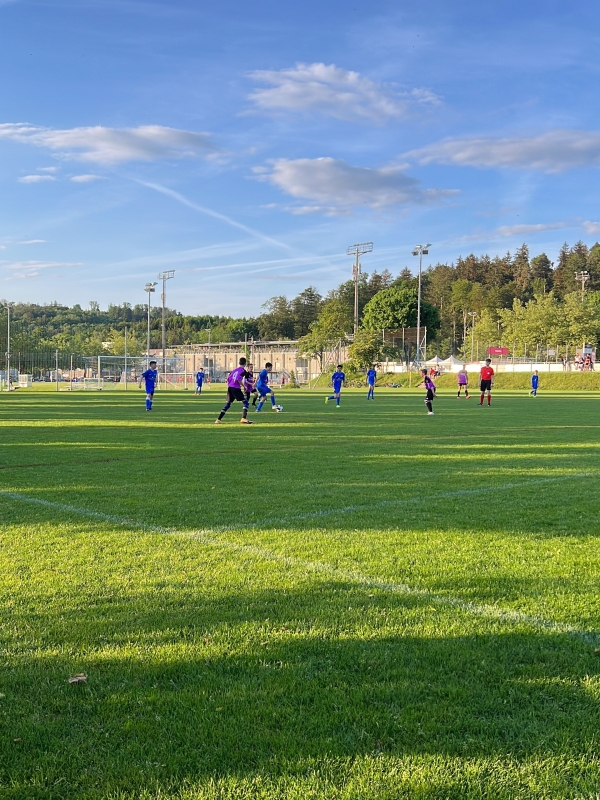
{"x":356,"y":603}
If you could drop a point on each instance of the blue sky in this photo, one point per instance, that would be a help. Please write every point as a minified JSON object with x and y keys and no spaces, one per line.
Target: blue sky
{"x":246,"y":145}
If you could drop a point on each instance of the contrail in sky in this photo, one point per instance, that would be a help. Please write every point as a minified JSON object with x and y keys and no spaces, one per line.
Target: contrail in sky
{"x":203,"y":210}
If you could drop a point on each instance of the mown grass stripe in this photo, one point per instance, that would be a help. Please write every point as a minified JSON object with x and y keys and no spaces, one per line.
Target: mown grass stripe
{"x":212,"y":536}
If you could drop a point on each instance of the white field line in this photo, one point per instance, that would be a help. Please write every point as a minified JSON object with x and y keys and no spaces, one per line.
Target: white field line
{"x":211,"y":536}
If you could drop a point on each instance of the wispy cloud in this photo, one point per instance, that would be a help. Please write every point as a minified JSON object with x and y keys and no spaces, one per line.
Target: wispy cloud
{"x":333,"y":186}
{"x":47,"y":169}
{"x":36,"y":178}
{"x":554,"y":151}
{"x":113,"y":145}
{"x":86,"y":178}
{"x":18,"y":265}
{"x":33,"y":241}
{"x":334,"y":92}
{"x":591,"y":228}
{"x":215,"y":214}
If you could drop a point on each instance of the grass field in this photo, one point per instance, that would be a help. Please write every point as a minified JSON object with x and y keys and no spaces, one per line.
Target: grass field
{"x":352,"y":604}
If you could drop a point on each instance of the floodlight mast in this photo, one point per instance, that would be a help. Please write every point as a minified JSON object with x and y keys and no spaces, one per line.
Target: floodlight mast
{"x":357,"y":250}
{"x":8,"y":307}
{"x":583,"y":277}
{"x":420,"y":250}
{"x":164,"y":277}
{"x":149,"y":287}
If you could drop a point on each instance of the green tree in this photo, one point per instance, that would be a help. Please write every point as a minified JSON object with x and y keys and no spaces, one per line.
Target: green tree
{"x":333,"y":322}
{"x":305,"y":309}
{"x":366,"y":349}
{"x":396,"y":308}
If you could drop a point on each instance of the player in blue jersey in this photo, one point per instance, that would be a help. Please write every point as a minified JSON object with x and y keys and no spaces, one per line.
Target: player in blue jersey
{"x":199,"y":381}
{"x":150,"y":378}
{"x":263,"y":388}
{"x":535,"y":381}
{"x":338,"y":379}
{"x":371,"y":378}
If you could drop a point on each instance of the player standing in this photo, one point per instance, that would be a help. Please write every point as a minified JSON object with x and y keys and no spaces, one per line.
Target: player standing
{"x":371,"y":378}
{"x":486,"y":378}
{"x":235,"y":381}
{"x":199,"y":380}
{"x":263,"y":388}
{"x":338,"y":379}
{"x":150,"y":378}
{"x":463,"y":382}
{"x":430,"y":391}
{"x":249,"y":387}
{"x":535,"y":380}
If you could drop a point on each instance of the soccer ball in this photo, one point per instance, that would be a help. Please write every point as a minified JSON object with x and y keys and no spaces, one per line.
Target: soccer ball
{"x":279,"y":408}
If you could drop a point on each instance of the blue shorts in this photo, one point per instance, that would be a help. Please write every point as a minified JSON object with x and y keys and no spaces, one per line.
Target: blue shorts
{"x":371,"y":385}
{"x":150,"y":388}
{"x":337,"y":388}
{"x":264,"y":390}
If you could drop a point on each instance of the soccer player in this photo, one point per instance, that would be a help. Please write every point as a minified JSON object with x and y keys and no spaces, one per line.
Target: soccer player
{"x":249,"y":387}
{"x":486,"y":377}
{"x":535,"y":379}
{"x":430,"y":391}
{"x":338,"y":379}
{"x":263,"y":388}
{"x":235,"y":381}
{"x":199,"y":381}
{"x":371,"y":378}
{"x":150,"y":378}
{"x":463,"y":382}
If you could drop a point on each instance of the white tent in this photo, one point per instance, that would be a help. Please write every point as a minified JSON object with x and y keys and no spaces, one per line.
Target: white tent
{"x":433,"y":362}
{"x":451,"y":361}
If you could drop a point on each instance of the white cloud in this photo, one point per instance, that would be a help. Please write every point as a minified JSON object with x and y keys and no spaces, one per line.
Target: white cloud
{"x":33,"y":241}
{"x":47,"y":169}
{"x":525,"y":230}
{"x":113,"y":145}
{"x":334,"y":186}
{"x":36,"y":178}
{"x":591,"y":228}
{"x":334,"y":91}
{"x":37,"y":265}
{"x":86,"y":178}
{"x":553,"y":151}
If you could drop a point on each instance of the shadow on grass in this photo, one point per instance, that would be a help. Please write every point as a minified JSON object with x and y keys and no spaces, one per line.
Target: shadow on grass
{"x":181,"y":689}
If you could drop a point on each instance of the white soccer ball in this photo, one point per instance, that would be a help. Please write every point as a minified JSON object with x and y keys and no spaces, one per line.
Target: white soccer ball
{"x":280,"y":408}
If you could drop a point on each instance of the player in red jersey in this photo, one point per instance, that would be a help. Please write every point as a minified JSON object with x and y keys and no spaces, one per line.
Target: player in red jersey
{"x":486,"y":378}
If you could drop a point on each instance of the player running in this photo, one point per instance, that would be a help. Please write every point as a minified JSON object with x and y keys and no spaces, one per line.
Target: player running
{"x":463,"y":382}
{"x":235,"y":381}
{"x":535,"y":380}
{"x":199,"y":380}
{"x":371,"y":378}
{"x":430,"y":391}
{"x":150,"y":377}
{"x":338,"y":379}
{"x":263,"y":388}
{"x":486,"y":379}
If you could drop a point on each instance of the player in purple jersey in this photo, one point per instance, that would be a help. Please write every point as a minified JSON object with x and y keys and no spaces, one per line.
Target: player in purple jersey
{"x":430,"y":391}
{"x":235,"y":382}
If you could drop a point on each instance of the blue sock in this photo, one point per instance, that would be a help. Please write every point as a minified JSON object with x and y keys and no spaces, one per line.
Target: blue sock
{"x":148,"y":404}
{"x":331,"y":397}
{"x":337,"y":401}
{"x":260,"y":405}
{"x":273,"y":400}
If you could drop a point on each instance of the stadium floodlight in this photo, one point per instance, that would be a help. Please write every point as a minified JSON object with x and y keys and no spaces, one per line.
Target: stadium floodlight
{"x":473,"y":315}
{"x":357,"y":250}
{"x":164,"y":277}
{"x":8,"y":307}
{"x":149,"y":287}
{"x":420,"y":250}
{"x":583,"y":277}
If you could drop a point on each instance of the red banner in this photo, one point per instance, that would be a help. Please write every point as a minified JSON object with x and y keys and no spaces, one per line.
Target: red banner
{"x":498,"y":351}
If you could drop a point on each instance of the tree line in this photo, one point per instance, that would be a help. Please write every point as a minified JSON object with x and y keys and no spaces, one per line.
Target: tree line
{"x":515,"y":300}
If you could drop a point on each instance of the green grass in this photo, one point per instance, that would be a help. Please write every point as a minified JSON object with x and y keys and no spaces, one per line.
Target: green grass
{"x":356,"y":603}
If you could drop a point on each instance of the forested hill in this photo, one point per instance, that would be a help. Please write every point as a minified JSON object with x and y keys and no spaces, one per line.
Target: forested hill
{"x":489,"y":288}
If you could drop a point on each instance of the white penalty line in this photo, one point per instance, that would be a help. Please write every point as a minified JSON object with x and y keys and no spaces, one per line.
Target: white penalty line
{"x":212,"y":536}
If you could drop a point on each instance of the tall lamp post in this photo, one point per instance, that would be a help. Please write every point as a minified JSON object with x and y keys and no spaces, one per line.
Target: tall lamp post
{"x":420,"y":250}
{"x":149,"y":287}
{"x":582,"y":277}
{"x":8,"y":307}
{"x":472,"y":314}
{"x":164,"y":277}
{"x":357,"y":250}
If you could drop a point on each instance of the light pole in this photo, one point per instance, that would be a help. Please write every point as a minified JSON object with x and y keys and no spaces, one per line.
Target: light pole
{"x":164,"y":277}
{"x":420,"y":250}
{"x":8,"y":307}
{"x":357,"y":250}
{"x":149,"y":287}
{"x":472,"y":314}
{"x":583,"y":277}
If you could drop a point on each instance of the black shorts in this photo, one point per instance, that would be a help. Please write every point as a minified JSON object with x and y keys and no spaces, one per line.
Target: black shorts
{"x":485,"y":386}
{"x":234,"y":394}
{"x":430,"y":395}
